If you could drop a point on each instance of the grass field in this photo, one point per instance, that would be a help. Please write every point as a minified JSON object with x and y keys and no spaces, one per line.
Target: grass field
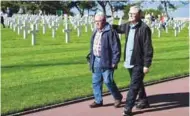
{"x":53,"y":71}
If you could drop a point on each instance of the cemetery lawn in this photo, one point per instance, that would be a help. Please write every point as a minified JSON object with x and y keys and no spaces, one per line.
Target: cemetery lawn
{"x":53,"y":71}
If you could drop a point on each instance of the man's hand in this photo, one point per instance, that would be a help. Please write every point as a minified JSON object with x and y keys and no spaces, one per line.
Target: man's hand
{"x":113,"y":65}
{"x":145,"y":70}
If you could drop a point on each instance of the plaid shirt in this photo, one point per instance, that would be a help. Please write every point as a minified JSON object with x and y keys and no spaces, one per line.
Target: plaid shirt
{"x":97,"y":44}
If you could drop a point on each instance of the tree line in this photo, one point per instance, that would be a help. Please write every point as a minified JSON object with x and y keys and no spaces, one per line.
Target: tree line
{"x":51,"y":7}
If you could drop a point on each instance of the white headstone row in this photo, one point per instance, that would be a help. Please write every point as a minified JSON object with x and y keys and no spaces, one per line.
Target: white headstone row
{"x":176,"y":25}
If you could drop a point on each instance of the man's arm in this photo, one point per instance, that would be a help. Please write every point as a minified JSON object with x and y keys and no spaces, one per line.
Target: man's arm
{"x":116,"y":48}
{"x":148,"y":49}
{"x":120,"y":28}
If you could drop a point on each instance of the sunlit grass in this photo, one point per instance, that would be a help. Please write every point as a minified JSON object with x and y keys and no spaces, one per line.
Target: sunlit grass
{"x":53,"y":71}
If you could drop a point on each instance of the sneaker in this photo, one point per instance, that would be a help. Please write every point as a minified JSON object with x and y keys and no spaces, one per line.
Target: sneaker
{"x":117,"y":102}
{"x":127,"y":112}
{"x":95,"y":105}
{"x":141,"y":104}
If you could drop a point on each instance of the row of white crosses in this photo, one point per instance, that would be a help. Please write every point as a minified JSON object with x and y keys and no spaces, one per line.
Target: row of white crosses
{"x":75,"y":22}
{"x":20,"y":24}
{"x":91,"y":21}
{"x":54,"y":22}
{"x":176,"y":25}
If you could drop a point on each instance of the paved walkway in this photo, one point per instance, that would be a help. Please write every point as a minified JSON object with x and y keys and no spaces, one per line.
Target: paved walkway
{"x":166,"y":99}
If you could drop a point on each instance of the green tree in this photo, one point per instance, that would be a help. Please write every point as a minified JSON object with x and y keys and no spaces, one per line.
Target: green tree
{"x":11,"y":4}
{"x":165,"y":5}
{"x":49,"y":7}
{"x":150,"y":11}
{"x":103,"y":5}
{"x":117,"y":5}
{"x":84,"y":5}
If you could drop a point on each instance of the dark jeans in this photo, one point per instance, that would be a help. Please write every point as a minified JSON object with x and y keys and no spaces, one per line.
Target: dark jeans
{"x":136,"y":86}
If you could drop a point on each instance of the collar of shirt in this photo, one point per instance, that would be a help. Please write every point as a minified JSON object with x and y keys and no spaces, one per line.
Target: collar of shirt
{"x":132,"y":26}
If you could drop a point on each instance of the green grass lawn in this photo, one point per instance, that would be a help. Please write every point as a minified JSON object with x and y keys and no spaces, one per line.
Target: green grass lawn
{"x":53,"y":71}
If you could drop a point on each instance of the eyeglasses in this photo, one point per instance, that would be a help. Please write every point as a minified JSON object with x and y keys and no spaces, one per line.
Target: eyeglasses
{"x":133,"y":14}
{"x":98,"y":21}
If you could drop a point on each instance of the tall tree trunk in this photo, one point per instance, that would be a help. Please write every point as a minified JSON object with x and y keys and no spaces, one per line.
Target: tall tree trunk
{"x":165,"y":8}
{"x":103,"y":5}
{"x":112,"y":9}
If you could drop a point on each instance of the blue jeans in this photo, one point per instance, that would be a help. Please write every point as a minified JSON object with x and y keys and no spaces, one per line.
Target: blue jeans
{"x":103,"y":75}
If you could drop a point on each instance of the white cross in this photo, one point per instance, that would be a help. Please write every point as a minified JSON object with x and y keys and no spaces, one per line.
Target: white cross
{"x":44,"y":26}
{"x":159,"y":28}
{"x":189,"y":29}
{"x":152,"y":27}
{"x":179,"y":27}
{"x":175,"y":29}
{"x":67,"y":33}
{"x":78,"y":28}
{"x":49,"y":23}
{"x":36,"y":22}
{"x":54,"y":26}
{"x":166,"y":26}
{"x":92,"y":25}
{"x":11,"y":25}
{"x":25,"y":28}
{"x":14,"y":26}
{"x":33,"y":32}
{"x":19,"y":26}
{"x":86,"y":24}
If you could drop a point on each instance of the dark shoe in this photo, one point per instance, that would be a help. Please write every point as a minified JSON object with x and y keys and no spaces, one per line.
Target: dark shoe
{"x":95,"y":105}
{"x":117,"y":102}
{"x":127,"y":112}
{"x":141,"y":104}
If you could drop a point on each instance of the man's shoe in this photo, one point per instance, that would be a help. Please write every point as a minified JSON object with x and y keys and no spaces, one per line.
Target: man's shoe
{"x":117,"y":102}
{"x":95,"y":105}
{"x":127,"y":112}
{"x":142,"y":104}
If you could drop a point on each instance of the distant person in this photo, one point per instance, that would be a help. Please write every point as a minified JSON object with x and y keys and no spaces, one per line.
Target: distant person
{"x":2,"y":18}
{"x":156,"y":17}
{"x":152,"y":17}
{"x":138,"y":53}
{"x":163,"y":20}
{"x":104,"y":56}
{"x":148,"y":19}
{"x":9,"y":12}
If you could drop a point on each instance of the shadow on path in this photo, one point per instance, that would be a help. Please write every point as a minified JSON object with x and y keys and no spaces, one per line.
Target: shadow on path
{"x":166,"y":102}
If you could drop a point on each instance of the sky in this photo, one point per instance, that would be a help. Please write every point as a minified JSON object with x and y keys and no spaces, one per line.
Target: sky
{"x":182,"y":12}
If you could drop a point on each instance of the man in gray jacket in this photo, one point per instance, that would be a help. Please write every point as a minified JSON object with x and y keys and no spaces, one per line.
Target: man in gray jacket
{"x":105,"y":54}
{"x":138,"y":54}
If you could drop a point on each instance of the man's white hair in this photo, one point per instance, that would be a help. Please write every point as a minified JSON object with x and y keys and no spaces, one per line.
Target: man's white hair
{"x":100,"y":14}
{"x":135,"y":8}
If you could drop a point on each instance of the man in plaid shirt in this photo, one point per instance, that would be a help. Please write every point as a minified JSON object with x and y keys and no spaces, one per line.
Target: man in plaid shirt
{"x":104,"y":55}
